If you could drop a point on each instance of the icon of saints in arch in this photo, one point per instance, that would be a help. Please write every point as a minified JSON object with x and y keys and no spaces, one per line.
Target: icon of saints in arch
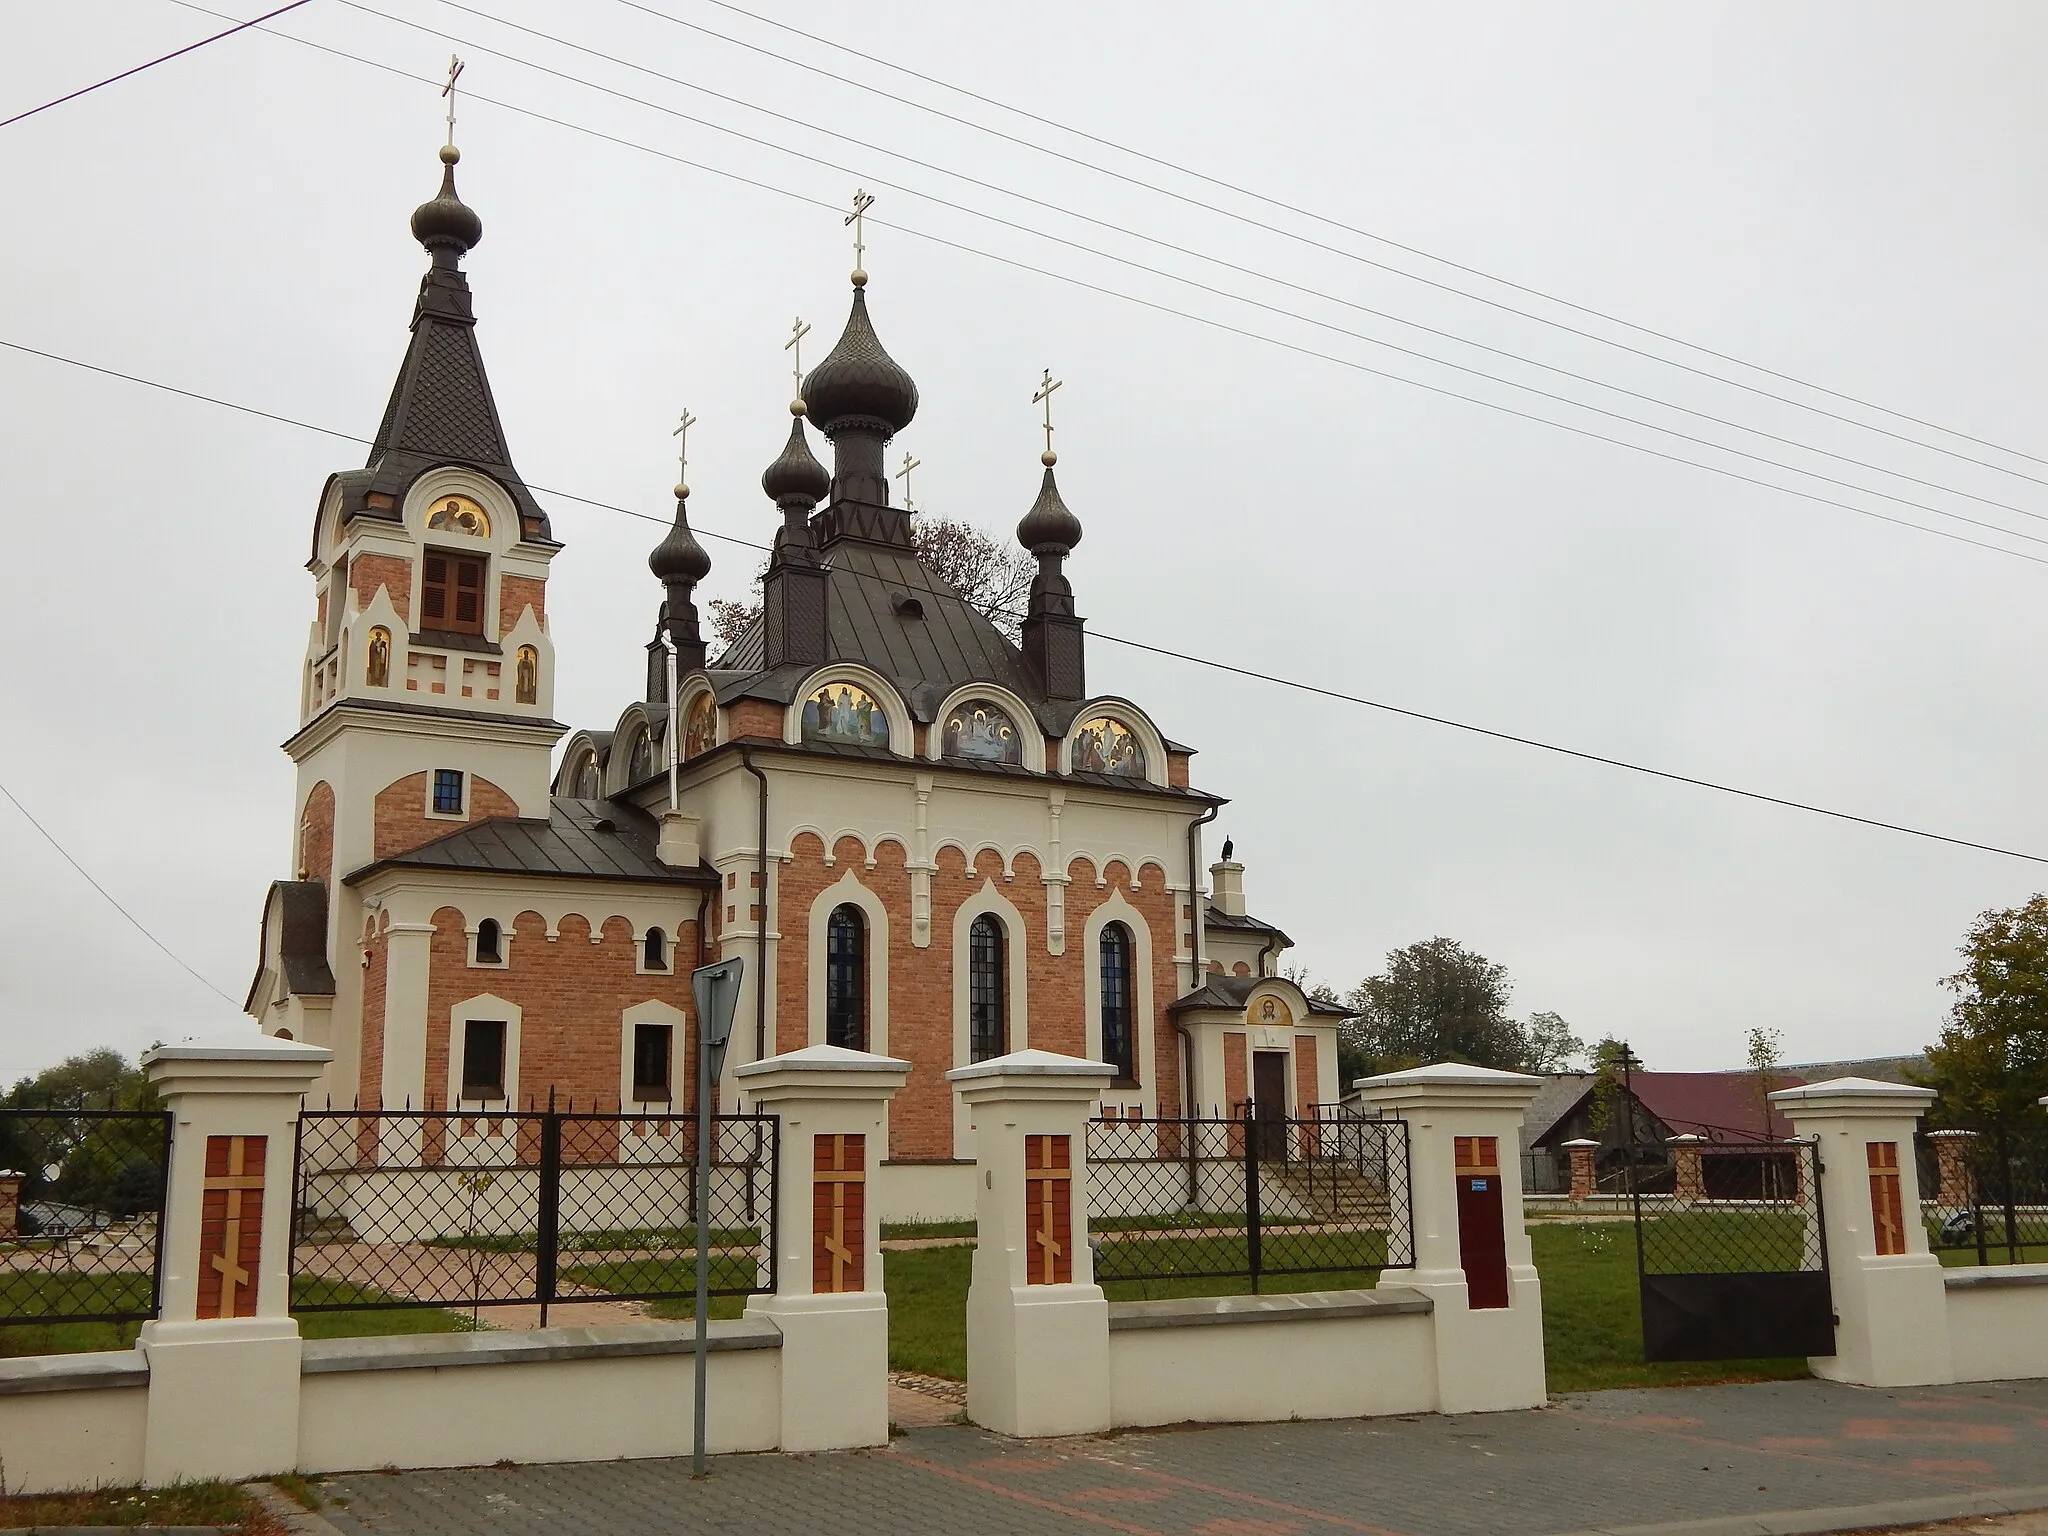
{"x":981,"y":730}
{"x":843,"y":714}
{"x":1106,"y":745}
{"x":700,"y":727}
{"x":377,"y":671}
{"x":527,"y":676}
{"x":458,"y":514}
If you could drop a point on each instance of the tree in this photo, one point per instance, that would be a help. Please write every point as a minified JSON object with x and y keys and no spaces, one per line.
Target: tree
{"x":1548,"y":1044}
{"x":110,"y":1165}
{"x":991,"y":575}
{"x":1613,"y":1061}
{"x":1991,"y":1064}
{"x":1766,"y":1054}
{"x":1436,"y":1001}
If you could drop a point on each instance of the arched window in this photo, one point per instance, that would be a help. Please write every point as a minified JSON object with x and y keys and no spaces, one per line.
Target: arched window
{"x":656,"y":950}
{"x":986,"y":1035}
{"x":490,"y":948}
{"x":846,"y":982}
{"x":640,"y":761}
{"x":588,"y":786}
{"x":1118,"y":1016}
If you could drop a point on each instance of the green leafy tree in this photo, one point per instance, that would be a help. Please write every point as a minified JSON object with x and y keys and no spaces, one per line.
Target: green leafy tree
{"x":1991,"y":1062}
{"x":1766,"y":1054}
{"x":73,"y":1158}
{"x":1613,"y":1061}
{"x":1548,"y":1044}
{"x":1436,"y":1001}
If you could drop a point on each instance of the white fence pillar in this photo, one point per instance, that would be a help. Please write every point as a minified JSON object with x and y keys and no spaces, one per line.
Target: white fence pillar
{"x":828,"y":1298}
{"x":1037,"y":1323}
{"x":1471,"y":1248}
{"x":224,"y":1351}
{"x":1891,"y":1308}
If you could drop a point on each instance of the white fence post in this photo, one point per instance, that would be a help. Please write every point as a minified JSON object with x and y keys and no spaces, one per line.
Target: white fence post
{"x":1891,"y":1308}
{"x":224,"y":1351}
{"x":1037,"y":1323}
{"x":1471,"y":1248}
{"x":828,"y":1298}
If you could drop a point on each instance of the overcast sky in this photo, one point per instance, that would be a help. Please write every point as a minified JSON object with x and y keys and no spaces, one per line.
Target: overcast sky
{"x":1848,"y":194}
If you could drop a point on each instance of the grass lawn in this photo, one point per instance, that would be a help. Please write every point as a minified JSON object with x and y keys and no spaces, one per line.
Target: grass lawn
{"x":221,"y":1504}
{"x":34,"y":1338}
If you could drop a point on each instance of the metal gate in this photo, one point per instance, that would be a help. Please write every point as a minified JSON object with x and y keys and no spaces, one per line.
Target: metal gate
{"x":1731,"y":1256}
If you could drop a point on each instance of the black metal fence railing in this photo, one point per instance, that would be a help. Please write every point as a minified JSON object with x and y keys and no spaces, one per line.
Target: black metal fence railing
{"x":81,"y":1237}
{"x":437,"y":1208}
{"x":1984,"y":1192}
{"x":1200,"y":1199}
{"x":1733,"y":1208}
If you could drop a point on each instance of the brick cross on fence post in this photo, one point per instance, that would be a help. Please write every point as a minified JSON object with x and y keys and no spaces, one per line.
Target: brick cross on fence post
{"x":1048,"y":1207}
{"x":838,"y":1197}
{"x":228,"y":1231}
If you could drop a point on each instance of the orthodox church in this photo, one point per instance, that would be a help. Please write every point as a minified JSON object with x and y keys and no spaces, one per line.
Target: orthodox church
{"x":923,"y":839}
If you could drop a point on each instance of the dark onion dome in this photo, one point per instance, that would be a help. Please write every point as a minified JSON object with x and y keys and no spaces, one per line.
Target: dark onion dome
{"x":859,"y":382}
{"x":1049,"y":526}
{"x":679,"y":557}
{"x":447,"y":223}
{"x":797,"y":473}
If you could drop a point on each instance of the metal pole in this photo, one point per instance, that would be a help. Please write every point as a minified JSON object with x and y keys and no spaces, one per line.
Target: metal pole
{"x":703,"y":1248}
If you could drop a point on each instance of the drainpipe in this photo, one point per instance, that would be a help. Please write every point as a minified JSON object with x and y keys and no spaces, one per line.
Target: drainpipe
{"x":761,"y":922}
{"x":1187,"y":1041}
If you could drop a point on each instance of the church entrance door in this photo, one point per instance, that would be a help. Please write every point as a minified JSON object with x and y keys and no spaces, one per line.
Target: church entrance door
{"x":1269,"y":1095}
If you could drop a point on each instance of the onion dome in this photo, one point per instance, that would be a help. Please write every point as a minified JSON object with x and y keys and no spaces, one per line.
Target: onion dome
{"x":447,"y":222}
{"x":797,"y":474}
{"x":859,"y":384}
{"x":1049,"y":528}
{"x":679,"y":557}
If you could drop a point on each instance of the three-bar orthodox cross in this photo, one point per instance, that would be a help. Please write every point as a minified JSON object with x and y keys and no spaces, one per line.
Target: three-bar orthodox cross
{"x":1044,"y":396}
{"x":862,"y":202}
{"x":448,"y":90}
{"x":794,"y":347}
{"x":235,"y":1183}
{"x":903,"y":474}
{"x":682,"y":437}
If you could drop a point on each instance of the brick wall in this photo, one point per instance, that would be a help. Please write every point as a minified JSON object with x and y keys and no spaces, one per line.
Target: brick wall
{"x":516,"y":594}
{"x":1305,"y":1065}
{"x":1155,"y":905}
{"x":1233,"y":1072}
{"x":753,"y":717}
{"x":316,"y":835}
{"x":366,"y":573}
{"x":369,"y":1082}
{"x":1177,"y":769}
{"x":400,"y":819}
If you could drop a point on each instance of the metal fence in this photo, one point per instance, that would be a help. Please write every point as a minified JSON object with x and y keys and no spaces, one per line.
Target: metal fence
{"x":81,"y":1240}
{"x":437,"y":1208}
{"x":1732,"y":1208}
{"x":1984,"y":1192}
{"x":1243,"y":1197}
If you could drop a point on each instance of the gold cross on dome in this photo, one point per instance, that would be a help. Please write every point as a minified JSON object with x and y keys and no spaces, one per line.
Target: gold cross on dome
{"x":903,"y":474}
{"x":1044,"y":395}
{"x":862,"y":202}
{"x":454,"y":71}
{"x":794,"y":347}
{"x":682,"y":437}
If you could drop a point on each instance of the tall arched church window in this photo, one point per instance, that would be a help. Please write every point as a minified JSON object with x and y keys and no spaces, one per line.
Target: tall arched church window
{"x":1106,"y":745}
{"x":526,"y":676}
{"x":986,"y":991}
{"x":640,"y":761}
{"x":981,"y":730}
{"x":1119,"y":1030}
{"x":846,"y":991}
{"x":700,"y":726}
{"x":845,"y":714}
{"x":377,"y":671}
{"x":586,"y":785}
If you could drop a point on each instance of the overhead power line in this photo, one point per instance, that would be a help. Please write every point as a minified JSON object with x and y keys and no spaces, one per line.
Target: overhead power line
{"x":1198,"y":255}
{"x":1351,"y":229}
{"x":178,"y":53}
{"x":133,"y":921}
{"x":1189,"y":657}
{"x":1209,"y":321}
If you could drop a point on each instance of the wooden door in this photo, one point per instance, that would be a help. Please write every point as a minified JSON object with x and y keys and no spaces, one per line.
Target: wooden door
{"x":1269,"y":1093}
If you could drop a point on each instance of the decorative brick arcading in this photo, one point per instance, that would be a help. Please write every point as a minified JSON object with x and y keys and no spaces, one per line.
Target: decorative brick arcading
{"x":401,"y":822}
{"x":572,"y":996}
{"x":316,"y":835}
{"x":516,"y":594}
{"x":366,"y":573}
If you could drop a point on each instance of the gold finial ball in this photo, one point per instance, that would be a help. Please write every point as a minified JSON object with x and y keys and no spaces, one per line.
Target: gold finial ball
{"x":682,"y":492}
{"x":797,"y":407}
{"x":860,"y":278}
{"x":1048,"y":458}
{"x":450,"y":154}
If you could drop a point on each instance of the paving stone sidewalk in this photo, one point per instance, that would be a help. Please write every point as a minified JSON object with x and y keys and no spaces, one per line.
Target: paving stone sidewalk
{"x":1764,"y":1457}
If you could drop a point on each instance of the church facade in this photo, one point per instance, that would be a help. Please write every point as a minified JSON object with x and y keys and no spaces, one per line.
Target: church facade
{"x":924,"y":840}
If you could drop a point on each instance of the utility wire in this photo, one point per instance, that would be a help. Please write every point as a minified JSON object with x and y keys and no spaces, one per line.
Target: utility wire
{"x":1168,"y":652}
{"x":1351,"y":229}
{"x":1208,"y":321}
{"x":152,"y":64}
{"x":133,"y":920}
{"x":1182,"y":250}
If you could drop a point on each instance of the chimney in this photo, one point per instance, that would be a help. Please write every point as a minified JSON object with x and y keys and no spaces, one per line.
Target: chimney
{"x":1226,"y":887}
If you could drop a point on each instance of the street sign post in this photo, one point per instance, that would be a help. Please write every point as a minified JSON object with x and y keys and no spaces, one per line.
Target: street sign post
{"x":715,"y":989}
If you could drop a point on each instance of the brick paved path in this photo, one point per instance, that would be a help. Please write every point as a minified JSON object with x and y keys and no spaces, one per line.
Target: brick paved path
{"x":1603,"y":1461}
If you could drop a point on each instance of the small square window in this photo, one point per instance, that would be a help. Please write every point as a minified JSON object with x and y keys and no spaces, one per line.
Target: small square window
{"x":447,"y":791}
{"x":483,"y":1059}
{"x":652,"y":1048}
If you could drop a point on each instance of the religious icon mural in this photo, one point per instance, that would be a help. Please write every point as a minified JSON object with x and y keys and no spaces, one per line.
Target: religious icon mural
{"x":526,"y":678}
{"x":1270,"y":1012}
{"x":1106,"y":745}
{"x":844,"y":714}
{"x":458,"y":514}
{"x":377,"y":672}
{"x":982,"y":730}
{"x":700,"y":727}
